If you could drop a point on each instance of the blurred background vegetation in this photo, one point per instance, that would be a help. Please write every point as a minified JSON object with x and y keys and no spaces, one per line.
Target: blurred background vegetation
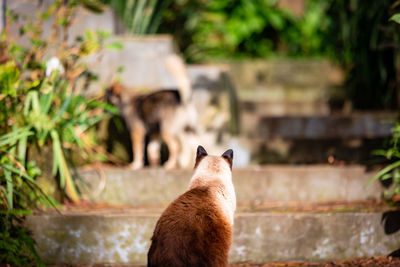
{"x":356,"y":34}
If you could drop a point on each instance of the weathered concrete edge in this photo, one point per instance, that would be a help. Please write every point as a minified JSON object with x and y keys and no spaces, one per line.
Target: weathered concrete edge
{"x":358,"y":125}
{"x":253,"y":185}
{"x":258,"y":237}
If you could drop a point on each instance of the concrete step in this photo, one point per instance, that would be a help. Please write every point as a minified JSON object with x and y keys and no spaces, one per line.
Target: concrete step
{"x":258,"y":108}
{"x":123,"y":237}
{"x":308,"y":183}
{"x":305,"y":139}
{"x":317,"y":127}
{"x":286,"y":79}
{"x":310,"y":151}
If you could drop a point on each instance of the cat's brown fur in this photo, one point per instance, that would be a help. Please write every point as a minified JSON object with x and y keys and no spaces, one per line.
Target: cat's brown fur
{"x":196,"y":229}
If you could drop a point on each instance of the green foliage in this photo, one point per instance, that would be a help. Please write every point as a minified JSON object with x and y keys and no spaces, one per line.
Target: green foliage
{"x":40,"y":107}
{"x":238,"y":27}
{"x":307,"y":35}
{"x":396,"y":18}
{"x":356,"y":34}
{"x":214,"y":29}
{"x":366,"y":44}
{"x":46,"y":107}
{"x":16,"y":244}
{"x":94,"y":6}
{"x":18,"y":189}
{"x":140,"y":16}
{"x":392,"y":170}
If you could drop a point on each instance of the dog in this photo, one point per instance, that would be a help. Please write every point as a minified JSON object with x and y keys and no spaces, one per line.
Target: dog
{"x":196,"y":228}
{"x":161,"y":115}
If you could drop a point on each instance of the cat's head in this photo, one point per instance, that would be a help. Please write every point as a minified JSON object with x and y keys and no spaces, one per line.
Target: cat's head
{"x":213,"y":163}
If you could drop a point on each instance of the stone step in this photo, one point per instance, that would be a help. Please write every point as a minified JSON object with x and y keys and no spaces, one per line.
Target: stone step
{"x":259,"y":108}
{"x":286,"y":79}
{"x":305,"y":139}
{"x":309,"y":151}
{"x":155,"y":187}
{"x":317,"y":127}
{"x":123,"y":237}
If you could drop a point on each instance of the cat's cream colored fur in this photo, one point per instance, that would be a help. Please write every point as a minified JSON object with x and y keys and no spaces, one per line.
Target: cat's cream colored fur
{"x":214,"y":170}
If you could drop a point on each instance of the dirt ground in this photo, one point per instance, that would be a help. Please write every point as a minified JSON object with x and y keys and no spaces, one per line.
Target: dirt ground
{"x":362,"y":262}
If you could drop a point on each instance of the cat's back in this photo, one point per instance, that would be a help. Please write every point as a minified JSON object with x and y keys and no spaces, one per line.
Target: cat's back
{"x":192,"y":231}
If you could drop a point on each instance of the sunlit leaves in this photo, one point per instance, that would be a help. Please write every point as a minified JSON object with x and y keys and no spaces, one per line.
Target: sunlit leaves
{"x":40,"y":111}
{"x":9,"y":79}
{"x":395,"y":18}
{"x":140,"y":16}
{"x":392,"y":170}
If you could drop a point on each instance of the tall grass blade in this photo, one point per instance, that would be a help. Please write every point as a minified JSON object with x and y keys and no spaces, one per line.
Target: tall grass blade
{"x":65,"y":177}
{"x":129,"y":10}
{"x":384,"y":171}
{"x":57,"y":157}
{"x":146,"y":16}
{"x":45,"y":102}
{"x":29,"y":182}
{"x":157,"y":14}
{"x":35,"y":102}
{"x":137,"y":16}
{"x":63,"y":108}
{"x":27,"y":104}
{"x":22,"y":146}
{"x":10,"y":188}
{"x":12,"y":137}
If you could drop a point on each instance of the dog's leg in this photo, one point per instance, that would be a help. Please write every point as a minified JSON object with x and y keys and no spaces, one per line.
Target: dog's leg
{"x":173,"y":147}
{"x":188,"y":143}
{"x":137,"y":137}
{"x":153,"y":152}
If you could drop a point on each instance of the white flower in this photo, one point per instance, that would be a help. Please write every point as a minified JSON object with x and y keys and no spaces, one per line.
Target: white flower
{"x":53,"y":64}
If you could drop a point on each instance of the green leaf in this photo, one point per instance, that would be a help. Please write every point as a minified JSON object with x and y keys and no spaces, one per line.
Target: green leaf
{"x":10,"y":193}
{"x":75,"y":137}
{"x":386,"y":176}
{"x":384,"y":171}
{"x":120,"y":69}
{"x":94,"y":6}
{"x":45,"y":102}
{"x":22,"y":146}
{"x":103,"y":34}
{"x":19,"y":172}
{"x":12,"y":137}
{"x":63,"y":107}
{"x":395,"y":18}
{"x":58,"y":157}
{"x":114,"y":46}
{"x":35,"y":102}
{"x":108,"y":107}
{"x":65,"y":177}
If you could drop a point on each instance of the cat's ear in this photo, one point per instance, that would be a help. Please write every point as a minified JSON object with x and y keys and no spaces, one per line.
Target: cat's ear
{"x":228,"y":155}
{"x":201,"y":153}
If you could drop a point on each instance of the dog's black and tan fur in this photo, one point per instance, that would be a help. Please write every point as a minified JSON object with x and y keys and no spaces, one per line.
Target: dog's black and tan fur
{"x":160,"y":115}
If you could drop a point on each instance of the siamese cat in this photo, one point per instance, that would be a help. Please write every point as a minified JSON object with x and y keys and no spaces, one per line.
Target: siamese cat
{"x":196,"y":228}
